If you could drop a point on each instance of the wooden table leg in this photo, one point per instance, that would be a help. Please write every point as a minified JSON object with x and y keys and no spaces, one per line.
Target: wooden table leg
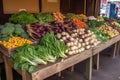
{"x":25,"y":75}
{"x":72,"y":68}
{"x":9,"y":74}
{"x":88,"y":72}
{"x":96,"y":61}
{"x":59,"y":74}
{"x":114,"y":50}
{"x":118,"y":48}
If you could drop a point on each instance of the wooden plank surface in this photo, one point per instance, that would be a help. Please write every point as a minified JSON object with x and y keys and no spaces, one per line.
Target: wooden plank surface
{"x":105,"y":45}
{"x":50,"y":69}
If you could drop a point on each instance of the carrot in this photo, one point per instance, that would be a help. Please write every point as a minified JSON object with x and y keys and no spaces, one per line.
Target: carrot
{"x":79,"y":23}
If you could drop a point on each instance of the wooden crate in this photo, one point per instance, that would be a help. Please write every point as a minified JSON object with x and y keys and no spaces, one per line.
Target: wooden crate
{"x":6,"y":51}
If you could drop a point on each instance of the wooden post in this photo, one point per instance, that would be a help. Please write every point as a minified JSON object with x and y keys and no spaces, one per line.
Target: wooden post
{"x":118,"y":46}
{"x":9,"y":74}
{"x":96,"y":61}
{"x":88,"y":72}
{"x":59,"y":74}
{"x":114,"y":49}
{"x":24,"y":77}
{"x":72,"y":68}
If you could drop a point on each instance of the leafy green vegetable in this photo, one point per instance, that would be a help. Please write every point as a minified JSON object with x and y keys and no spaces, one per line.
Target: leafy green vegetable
{"x":57,"y":48}
{"x":26,"y":57}
{"x":8,"y":29}
{"x":45,"y":17}
{"x":100,"y":35}
{"x":95,"y":23}
{"x":22,"y":17}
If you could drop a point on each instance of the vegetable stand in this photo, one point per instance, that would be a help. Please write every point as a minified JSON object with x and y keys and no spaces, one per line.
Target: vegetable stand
{"x":43,"y":72}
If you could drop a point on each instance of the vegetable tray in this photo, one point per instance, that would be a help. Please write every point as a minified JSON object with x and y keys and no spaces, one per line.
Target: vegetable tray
{"x":8,"y":52}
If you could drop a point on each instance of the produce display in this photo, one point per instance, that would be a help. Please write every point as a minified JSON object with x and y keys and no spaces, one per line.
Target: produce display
{"x":78,"y":40}
{"x":58,"y":16}
{"x":100,"y":35}
{"x":14,"y":42}
{"x":66,"y":26}
{"x":22,"y":17}
{"x":100,"y":18}
{"x":116,"y":24}
{"x":27,"y":57}
{"x":44,"y":17}
{"x":58,"y":36}
{"x":95,"y":23}
{"x":8,"y":30}
{"x":79,"y":23}
{"x":109,"y":30}
{"x":37,"y":30}
{"x":83,"y":17}
{"x":72,"y":15}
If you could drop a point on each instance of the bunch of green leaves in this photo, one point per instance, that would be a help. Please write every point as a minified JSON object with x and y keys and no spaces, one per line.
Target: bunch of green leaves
{"x":95,"y":23}
{"x":45,"y":53}
{"x":100,"y":35}
{"x":9,"y":29}
{"x":26,"y":58}
{"x":44,"y":17}
{"x":56,"y":47}
{"x":22,"y":17}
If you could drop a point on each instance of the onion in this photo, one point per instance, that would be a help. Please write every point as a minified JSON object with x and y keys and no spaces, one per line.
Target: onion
{"x":64,"y":33}
{"x":64,"y":38}
{"x":82,"y":49}
{"x":67,"y":36}
{"x":70,"y":53}
{"x":68,"y":44}
{"x":87,"y":43}
{"x":74,"y":30}
{"x":87,"y":47}
{"x":73,"y":35}
{"x":61,"y":40}
{"x":79,"y":45}
{"x":83,"y":44}
{"x":66,"y":51}
{"x":58,"y":35}
{"x":72,"y":39}
{"x":80,"y":40}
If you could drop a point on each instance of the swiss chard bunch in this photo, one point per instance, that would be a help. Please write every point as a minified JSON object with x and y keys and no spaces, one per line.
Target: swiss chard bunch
{"x":26,"y":58}
{"x":56,"y":47}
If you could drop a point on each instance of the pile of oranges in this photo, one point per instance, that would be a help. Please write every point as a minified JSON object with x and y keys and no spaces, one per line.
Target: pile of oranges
{"x":15,"y":42}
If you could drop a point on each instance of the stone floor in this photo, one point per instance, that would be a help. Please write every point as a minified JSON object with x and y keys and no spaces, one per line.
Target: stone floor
{"x":109,"y":70}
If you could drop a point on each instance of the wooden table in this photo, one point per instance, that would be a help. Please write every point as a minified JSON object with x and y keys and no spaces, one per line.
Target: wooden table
{"x":96,"y":50}
{"x":43,"y":71}
{"x":50,"y":69}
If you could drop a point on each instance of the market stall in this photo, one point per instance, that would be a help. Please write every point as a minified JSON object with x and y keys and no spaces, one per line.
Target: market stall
{"x":40,"y":45}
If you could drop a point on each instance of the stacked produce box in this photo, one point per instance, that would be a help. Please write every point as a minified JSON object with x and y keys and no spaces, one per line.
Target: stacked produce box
{"x":58,"y":36}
